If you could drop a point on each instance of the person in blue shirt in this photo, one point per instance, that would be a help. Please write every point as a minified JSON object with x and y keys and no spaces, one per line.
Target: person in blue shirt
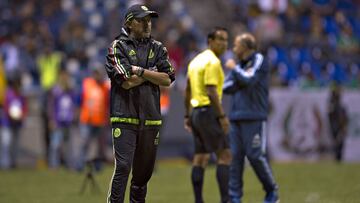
{"x":247,"y":83}
{"x":62,"y":114}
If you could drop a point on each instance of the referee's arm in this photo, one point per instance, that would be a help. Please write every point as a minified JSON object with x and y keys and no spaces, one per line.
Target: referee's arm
{"x":215,"y":103}
{"x":187,"y":124}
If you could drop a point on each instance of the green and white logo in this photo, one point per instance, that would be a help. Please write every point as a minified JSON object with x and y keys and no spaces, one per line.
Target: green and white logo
{"x":132,"y":53}
{"x":116,"y":132}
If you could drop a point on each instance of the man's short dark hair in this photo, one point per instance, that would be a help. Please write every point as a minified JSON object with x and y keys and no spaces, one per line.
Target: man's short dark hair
{"x":212,"y":33}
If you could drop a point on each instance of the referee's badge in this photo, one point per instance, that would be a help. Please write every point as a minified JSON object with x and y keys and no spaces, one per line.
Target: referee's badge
{"x":116,"y":132}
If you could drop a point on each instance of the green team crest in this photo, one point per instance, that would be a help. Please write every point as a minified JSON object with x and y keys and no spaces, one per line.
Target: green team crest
{"x":132,"y":52}
{"x":116,"y":132}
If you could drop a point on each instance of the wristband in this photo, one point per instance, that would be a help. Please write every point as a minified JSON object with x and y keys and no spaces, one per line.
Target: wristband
{"x":141,"y":72}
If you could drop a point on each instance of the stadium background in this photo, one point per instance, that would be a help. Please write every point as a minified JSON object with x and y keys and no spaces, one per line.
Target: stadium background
{"x":310,"y":46}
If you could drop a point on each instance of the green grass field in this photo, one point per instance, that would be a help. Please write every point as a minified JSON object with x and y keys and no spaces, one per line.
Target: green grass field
{"x":299,"y":183}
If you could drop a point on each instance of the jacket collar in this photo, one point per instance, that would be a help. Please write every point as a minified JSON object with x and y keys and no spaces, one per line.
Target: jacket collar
{"x":249,"y":58}
{"x":124,"y":35}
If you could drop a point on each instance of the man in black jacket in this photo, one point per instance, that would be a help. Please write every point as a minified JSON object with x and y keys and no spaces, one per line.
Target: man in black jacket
{"x":136,"y":65}
{"x":248,"y":84}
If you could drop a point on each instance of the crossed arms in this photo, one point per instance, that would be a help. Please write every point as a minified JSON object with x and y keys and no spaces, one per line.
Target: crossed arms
{"x":157,"y":78}
{"x":121,"y":71}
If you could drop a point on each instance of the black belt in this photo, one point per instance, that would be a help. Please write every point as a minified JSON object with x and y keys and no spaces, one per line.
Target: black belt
{"x":202,"y":107}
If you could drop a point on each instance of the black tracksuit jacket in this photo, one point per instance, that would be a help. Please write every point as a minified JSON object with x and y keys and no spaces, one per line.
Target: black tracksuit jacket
{"x":138,"y":107}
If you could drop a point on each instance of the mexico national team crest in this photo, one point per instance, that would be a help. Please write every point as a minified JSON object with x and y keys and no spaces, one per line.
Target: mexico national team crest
{"x":132,"y":52}
{"x":116,"y":132}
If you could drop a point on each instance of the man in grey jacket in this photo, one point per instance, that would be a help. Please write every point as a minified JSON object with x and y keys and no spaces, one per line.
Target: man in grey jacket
{"x":248,"y":84}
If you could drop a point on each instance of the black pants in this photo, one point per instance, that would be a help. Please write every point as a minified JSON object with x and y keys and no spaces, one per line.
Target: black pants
{"x":208,"y":134}
{"x":136,"y":149}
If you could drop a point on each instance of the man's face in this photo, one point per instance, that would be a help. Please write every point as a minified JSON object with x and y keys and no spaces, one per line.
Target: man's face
{"x":239,"y":47}
{"x":141,"y":27}
{"x":220,"y":42}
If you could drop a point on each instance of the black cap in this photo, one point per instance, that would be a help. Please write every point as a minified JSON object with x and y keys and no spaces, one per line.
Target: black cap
{"x":139,"y":11}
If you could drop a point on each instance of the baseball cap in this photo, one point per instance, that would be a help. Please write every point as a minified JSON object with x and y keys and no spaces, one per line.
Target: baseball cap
{"x":139,"y":11}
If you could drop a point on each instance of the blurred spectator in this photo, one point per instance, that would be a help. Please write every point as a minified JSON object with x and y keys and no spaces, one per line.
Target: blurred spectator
{"x":176,"y":53}
{"x":2,"y":84}
{"x":292,"y":21}
{"x":93,"y":114}
{"x":269,"y":28}
{"x":13,"y":116}
{"x":2,"y":92}
{"x":354,"y":79}
{"x":307,"y":79}
{"x":62,"y":114}
{"x":316,"y":28}
{"x":278,"y":6}
{"x":338,"y":120}
{"x":347,"y":42}
{"x":49,"y":63}
{"x":164,"y":106}
{"x":10,"y":52}
{"x":73,"y":36}
{"x":324,"y":7}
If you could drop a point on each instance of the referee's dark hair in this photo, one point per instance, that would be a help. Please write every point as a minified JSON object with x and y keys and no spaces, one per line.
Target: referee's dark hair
{"x":212,"y":33}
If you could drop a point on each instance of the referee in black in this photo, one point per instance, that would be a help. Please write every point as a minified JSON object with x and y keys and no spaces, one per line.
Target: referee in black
{"x":205,"y":117}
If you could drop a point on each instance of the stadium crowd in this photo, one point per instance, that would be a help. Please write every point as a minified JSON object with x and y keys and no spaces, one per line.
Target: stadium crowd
{"x":308,"y":43}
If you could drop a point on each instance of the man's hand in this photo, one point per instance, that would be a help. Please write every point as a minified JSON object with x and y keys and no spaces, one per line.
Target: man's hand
{"x":187,"y":124}
{"x":225,"y":124}
{"x":230,"y":64}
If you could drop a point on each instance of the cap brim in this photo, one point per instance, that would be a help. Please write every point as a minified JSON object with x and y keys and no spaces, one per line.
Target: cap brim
{"x":152,"y":14}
